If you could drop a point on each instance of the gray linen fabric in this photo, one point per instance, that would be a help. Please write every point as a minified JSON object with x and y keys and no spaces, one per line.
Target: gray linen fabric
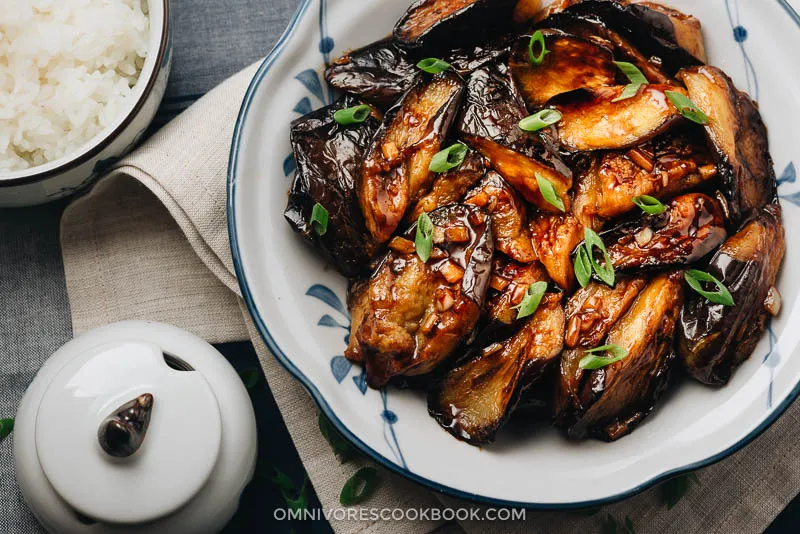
{"x":34,"y":322}
{"x":212,"y":39}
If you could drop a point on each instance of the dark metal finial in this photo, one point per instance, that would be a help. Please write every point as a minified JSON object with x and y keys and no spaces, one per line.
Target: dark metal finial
{"x":122,"y":433}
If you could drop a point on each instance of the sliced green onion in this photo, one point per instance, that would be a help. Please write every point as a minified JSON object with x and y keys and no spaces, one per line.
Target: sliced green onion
{"x":6,"y":426}
{"x":449,"y":158}
{"x":533,"y":297}
{"x":696,"y":278}
{"x":359,"y":487}
{"x":537,"y":38}
{"x":635,"y":76}
{"x":592,"y":361}
{"x":583,"y":267}
{"x":649,"y":205}
{"x":540,"y":120}
{"x":433,"y":65}
{"x":549,"y":193}
{"x":424,"y":239}
{"x":632,"y":72}
{"x":319,"y":219}
{"x":687,"y":108}
{"x":630,"y":91}
{"x":354,"y":115}
{"x":604,"y":272}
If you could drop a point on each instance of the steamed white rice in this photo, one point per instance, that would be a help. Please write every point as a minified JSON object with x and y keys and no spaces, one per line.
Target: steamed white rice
{"x":67,"y":69}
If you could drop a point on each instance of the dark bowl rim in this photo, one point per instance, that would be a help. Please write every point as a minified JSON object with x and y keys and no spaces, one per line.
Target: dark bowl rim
{"x":83,"y":157}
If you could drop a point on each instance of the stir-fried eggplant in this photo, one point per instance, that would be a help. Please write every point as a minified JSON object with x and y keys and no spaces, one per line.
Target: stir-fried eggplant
{"x":509,"y":216}
{"x":572,"y":63}
{"x":661,"y":36}
{"x":667,"y":166}
{"x":434,"y":23}
{"x":380,"y":73}
{"x":416,"y":314}
{"x":521,"y":172}
{"x":609,"y":402}
{"x":396,"y":169}
{"x":450,"y":187}
{"x":509,"y":283}
{"x":714,"y":339}
{"x":554,"y":238}
{"x":739,"y":136}
{"x":328,"y":160}
{"x":608,"y":162}
{"x":475,"y":399}
{"x":692,"y":228}
{"x":470,"y":58}
{"x":591,"y":120}
{"x":593,"y":310}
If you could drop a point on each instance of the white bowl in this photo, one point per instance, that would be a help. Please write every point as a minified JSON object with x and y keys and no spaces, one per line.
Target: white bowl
{"x":297,"y":302}
{"x":74,"y":171}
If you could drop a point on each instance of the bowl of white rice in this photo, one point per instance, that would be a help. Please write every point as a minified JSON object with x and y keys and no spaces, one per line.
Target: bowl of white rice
{"x":80,"y":81}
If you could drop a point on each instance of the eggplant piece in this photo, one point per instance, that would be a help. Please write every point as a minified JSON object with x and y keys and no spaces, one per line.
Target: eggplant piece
{"x":436,"y":23}
{"x":692,"y":228}
{"x":683,"y":30}
{"x":713,"y":340}
{"x":593,"y":310}
{"x":655,"y":33}
{"x":520,"y":171}
{"x":554,"y":238}
{"x":475,"y":399}
{"x":492,"y":110}
{"x":591,"y":120}
{"x":572,"y":63}
{"x":357,"y":304}
{"x":509,"y":216}
{"x":468,"y":59}
{"x":379,"y":73}
{"x":328,"y":160}
{"x":532,"y":10}
{"x":609,"y":402}
{"x":417,"y":314}
{"x":451,"y":186}
{"x":739,"y":137}
{"x":396,"y":168}
{"x":509,"y":283}
{"x":667,"y":166}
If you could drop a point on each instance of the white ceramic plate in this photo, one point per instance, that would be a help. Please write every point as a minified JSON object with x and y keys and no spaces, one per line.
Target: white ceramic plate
{"x":297,"y":302}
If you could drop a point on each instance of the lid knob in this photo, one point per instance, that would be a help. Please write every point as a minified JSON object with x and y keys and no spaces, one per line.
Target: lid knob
{"x":122,"y":433}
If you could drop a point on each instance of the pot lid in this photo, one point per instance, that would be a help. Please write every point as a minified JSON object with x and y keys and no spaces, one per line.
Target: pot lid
{"x":125,"y":434}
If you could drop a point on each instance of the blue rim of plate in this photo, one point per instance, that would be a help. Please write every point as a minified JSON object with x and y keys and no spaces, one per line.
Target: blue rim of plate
{"x":287,"y":364}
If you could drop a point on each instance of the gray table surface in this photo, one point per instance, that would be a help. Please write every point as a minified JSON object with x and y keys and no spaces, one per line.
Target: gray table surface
{"x":213,"y":39}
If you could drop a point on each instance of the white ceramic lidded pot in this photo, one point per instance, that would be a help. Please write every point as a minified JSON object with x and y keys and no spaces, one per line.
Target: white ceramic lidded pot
{"x":135,"y":427}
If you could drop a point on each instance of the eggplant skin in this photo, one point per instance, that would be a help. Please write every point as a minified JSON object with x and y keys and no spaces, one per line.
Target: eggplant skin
{"x":739,"y":137}
{"x":692,"y":228}
{"x":509,"y":216}
{"x":475,"y":399}
{"x":436,"y":23}
{"x":416,"y":314}
{"x":714,"y":339}
{"x":379,"y":73}
{"x":328,"y":160}
{"x":396,"y":171}
{"x":616,"y":398}
{"x":572,"y":63}
{"x":591,"y":120}
{"x":653,"y":32}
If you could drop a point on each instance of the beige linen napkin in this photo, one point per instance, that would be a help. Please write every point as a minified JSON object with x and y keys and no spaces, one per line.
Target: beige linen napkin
{"x":150,"y":242}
